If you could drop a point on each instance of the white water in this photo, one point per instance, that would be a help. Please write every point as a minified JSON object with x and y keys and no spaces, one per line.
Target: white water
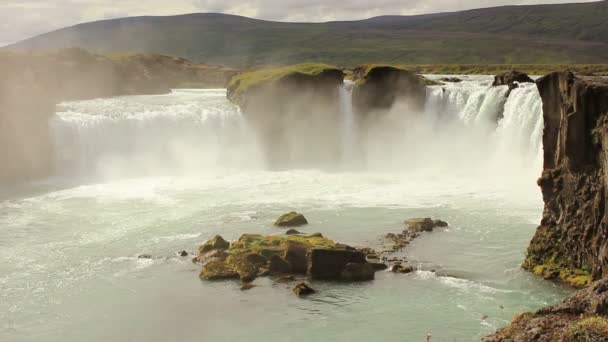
{"x":158,"y":174}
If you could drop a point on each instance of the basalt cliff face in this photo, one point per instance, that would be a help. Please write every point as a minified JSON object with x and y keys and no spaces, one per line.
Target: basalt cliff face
{"x":571,"y":243}
{"x":32,"y":83}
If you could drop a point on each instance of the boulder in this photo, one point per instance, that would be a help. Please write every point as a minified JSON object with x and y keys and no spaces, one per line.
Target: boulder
{"x":357,"y":272}
{"x":303,"y":290}
{"x":291,"y":219}
{"x":328,"y":263}
{"x":217,"y":243}
{"x":293,"y":232}
{"x":419,"y":225}
{"x":398,"y":268}
{"x":182,"y":253}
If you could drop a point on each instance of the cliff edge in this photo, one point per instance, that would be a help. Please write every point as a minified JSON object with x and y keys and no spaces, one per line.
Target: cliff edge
{"x":571,"y":243}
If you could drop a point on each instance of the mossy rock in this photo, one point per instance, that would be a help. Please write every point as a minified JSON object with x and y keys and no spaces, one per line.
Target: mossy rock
{"x":292,"y":219}
{"x":217,"y":243}
{"x":218,"y":270}
{"x":576,"y":278}
{"x":244,"y":82}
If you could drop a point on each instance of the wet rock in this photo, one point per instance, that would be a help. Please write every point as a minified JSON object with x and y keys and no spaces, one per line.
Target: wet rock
{"x":217,"y":243}
{"x":317,"y":235}
{"x":291,"y":219}
{"x":293,"y":232}
{"x":218,"y":270}
{"x":296,"y":256}
{"x":256,"y":259}
{"x":209,"y":256}
{"x":182,"y":253}
{"x":418,"y":225}
{"x":278,"y":265}
{"x":508,"y":78}
{"x":450,"y":79}
{"x":328,"y":263}
{"x":144,"y":256}
{"x":402,"y":269}
{"x":357,"y":272}
{"x":303,"y":290}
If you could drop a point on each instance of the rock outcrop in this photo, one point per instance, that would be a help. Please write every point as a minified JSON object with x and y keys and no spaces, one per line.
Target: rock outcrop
{"x":285,"y":106}
{"x":509,"y":78}
{"x":256,"y":255}
{"x":580,"y":317}
{"x":571,"y":243}
{"x":379,"y":88}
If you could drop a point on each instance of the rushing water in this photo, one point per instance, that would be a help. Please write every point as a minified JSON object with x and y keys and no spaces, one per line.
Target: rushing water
{"x":158,"y":174}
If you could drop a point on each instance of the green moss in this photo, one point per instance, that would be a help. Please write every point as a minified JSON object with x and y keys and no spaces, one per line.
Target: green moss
{"x":242,"y":82}
{"x":571,"y":276}
{"x":592,"y":328}
{"x":268,"y":245}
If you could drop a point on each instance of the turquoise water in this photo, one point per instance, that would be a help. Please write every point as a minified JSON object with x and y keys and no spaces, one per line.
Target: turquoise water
{"x":68,"y":246}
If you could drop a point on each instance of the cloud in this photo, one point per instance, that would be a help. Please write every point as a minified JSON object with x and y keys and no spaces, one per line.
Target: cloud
{"x":20,"y":19}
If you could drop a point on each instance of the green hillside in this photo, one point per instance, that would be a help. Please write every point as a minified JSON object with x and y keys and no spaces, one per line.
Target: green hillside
{"x":542,"y":34}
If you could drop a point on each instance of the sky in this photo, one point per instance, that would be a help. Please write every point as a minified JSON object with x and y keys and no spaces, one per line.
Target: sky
{"x":20,"y":19}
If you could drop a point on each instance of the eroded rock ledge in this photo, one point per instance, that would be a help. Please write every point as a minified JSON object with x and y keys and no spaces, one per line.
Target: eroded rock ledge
{"x":571,"y":243}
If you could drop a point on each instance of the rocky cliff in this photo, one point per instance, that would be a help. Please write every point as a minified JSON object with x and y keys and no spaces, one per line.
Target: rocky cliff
{"x":571,"y":243}
{"x":291,"y":108}
{"x":32,"y":83}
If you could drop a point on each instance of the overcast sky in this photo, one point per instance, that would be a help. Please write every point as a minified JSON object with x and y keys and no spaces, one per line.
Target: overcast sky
{"x":20,"y":19}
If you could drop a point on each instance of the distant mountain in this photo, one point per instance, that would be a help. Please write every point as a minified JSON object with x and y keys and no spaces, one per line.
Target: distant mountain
{"x":540,"y":34}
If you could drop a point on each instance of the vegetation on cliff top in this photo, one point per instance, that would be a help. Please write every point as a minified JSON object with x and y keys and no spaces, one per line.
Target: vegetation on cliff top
{"x":240,"y":83}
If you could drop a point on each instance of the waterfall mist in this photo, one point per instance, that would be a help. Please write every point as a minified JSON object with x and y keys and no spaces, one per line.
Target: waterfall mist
{"x":467,"y":129}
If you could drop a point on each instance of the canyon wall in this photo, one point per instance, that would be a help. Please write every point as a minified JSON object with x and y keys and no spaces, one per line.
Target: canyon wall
{"x":571,"y":243}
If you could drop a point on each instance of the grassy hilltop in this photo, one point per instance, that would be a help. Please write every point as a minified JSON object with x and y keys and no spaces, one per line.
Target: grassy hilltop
{"x":541,"y":34}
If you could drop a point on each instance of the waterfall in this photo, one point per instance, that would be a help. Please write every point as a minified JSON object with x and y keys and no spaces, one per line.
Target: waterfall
{"x":467,"y":128}
{"x":187,"y":131}
{"x":348,"y":123}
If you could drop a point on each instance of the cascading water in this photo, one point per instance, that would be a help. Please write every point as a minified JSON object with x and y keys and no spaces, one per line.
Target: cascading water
{"x":349,"y":128}
{"x":187,"y":131}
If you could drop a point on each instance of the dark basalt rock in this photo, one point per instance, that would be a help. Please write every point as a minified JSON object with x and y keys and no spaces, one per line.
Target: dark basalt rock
{"x":182,"y":253}
{"x":293,"y":232}
{"x":329,"y":263}
{"x":571,"y":243}
{"x":508,"y":78}
{"x":580,"y":317}
{"x":418,"y":225}
{"x":278,"y":265}
{"x":357,"y":272}
{"x":296,"y":256}
{"x":291,"y":219}
{"x":450,"y":79}
{"x":303,"y":290}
